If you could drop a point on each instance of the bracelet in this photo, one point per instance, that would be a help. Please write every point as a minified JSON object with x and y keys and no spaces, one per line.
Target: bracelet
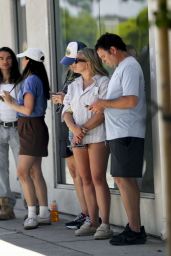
{"x":84,"y":130}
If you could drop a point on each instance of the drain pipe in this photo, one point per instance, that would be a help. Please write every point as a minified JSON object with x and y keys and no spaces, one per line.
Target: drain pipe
{"x":164,"y":82}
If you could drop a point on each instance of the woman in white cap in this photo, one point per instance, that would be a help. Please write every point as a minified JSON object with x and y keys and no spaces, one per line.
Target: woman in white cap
{"x":89,"y":147}
{"x":64,"y":150}
{"x":33,"y":134}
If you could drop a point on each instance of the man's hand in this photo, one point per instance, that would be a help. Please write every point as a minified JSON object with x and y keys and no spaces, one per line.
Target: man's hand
{"x":97,"y":106}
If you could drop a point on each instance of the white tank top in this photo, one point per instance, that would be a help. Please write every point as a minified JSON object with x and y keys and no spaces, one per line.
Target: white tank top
{"x":6,"y":113}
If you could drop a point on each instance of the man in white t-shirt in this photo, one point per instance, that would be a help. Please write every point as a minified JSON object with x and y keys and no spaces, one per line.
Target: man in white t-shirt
{"x":125,"y":114}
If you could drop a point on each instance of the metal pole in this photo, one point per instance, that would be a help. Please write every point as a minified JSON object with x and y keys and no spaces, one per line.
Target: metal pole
{"x":164,"y":84}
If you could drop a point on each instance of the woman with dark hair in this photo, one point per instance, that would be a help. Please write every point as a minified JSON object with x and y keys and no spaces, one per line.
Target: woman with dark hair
{"x":9,"y":74}
{"x":64,"y":150}
{"x":33,"y":133}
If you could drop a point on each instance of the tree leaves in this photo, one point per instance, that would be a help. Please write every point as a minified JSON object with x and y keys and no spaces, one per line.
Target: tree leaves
{"x":163,"y":16}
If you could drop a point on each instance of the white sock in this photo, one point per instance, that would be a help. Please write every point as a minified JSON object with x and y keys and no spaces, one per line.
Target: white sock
{"x":31,"y":211}
{"x":43,"y":211}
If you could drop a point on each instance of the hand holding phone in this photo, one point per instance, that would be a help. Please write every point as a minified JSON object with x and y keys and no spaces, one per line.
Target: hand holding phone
{"x":53,"y":93}
{"x":58,"y":97}
{"x":1,"y":98}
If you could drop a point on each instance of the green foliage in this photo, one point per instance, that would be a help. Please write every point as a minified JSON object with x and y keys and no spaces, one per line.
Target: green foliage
{"x":134,"y":31}
{"x":83,"y":4}
{"x":134,"y":0}
{"x":163,"y":16}
{"x":82,"y":27}
{"x":142,"y":19}
{"x":85,"y":28}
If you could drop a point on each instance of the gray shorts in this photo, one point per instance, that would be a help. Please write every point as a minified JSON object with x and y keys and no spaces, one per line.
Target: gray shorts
{"x":127,"y":157}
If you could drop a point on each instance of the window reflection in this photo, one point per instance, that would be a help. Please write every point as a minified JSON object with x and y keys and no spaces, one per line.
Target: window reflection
{"x":86,"y":20}
{"x":21,"y":24}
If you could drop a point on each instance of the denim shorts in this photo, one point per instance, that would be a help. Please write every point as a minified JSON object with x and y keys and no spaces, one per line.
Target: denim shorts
{"x":64,"y":149}
{"x":78,"y":145}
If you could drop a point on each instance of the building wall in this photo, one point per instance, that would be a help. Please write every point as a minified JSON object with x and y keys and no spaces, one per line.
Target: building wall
{"x":8,"y":38}
{"x":8,"y":24}
{"x":40,"y":34}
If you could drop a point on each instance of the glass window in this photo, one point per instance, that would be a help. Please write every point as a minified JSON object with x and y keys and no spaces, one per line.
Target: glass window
{"x":85,"y":21}
{"x":21,"y":25}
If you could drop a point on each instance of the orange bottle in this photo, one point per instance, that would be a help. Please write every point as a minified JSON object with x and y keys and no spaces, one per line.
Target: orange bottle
{"x":54,"y":214}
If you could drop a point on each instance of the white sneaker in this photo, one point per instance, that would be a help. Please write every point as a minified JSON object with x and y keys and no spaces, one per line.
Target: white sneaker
{"x":86,"y":229}
{"x":44,"y":220}
{"x":31,"y":223}
{"x":103,"y":232}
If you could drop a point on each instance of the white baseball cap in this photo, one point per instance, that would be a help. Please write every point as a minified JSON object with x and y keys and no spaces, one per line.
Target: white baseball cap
{"x":71,"y":52}
{"x":33,"y":53}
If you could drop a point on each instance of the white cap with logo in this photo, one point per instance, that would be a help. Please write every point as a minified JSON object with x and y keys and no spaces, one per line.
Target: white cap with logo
{"x":71,"y":52}
{"x":33,"y":53}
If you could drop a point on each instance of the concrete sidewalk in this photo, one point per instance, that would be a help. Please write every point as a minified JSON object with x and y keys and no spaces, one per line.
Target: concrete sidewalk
{"x":56,"y":240}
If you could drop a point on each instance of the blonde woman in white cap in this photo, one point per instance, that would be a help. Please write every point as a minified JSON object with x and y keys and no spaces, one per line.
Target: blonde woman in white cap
{"x":89,"y":147}
{"x":33,"y":133}
{"x":64,"y":150}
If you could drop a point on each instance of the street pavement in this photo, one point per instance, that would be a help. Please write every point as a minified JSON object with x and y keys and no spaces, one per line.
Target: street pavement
{"x":56,"y":240}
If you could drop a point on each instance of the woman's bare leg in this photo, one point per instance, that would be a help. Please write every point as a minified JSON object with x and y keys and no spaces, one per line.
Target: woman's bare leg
{"x":39,"y":182}
{"x":77,"y":183}
{"x":23,"y":171}
{"x":98,"y":155}
{"x":82,"y":164}
{"x":32,"y":180}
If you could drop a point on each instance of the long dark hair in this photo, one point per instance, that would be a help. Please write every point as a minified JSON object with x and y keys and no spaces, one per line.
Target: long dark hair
{"x":38,"y":69}
{"x":14,"y":71}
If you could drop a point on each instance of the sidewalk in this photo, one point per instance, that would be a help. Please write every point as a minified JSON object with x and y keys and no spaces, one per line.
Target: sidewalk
{"x":56,"y":240}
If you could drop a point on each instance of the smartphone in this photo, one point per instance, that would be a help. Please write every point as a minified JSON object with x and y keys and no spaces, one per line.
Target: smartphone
{"x":53,"y":93}
{"x":1,"y":98}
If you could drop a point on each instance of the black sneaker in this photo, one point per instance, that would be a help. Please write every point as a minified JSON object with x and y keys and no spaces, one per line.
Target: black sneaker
{"x":77,"y":222}
{"x":129,"y":237}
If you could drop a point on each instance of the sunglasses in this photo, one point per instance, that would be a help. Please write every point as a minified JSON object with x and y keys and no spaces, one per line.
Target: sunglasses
{"x":79,"y":60}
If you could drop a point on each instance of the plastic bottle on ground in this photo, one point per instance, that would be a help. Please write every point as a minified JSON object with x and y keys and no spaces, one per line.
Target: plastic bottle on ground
{"x":54,"y":214}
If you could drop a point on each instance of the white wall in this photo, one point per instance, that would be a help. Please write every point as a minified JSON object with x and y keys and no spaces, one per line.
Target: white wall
{"x":7,"y":21}
{"x":8,"y":38}
{"x":38,"y":36}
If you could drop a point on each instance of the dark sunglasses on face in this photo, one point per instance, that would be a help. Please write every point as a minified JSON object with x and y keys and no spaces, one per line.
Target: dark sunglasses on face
{"x":79,"y":60}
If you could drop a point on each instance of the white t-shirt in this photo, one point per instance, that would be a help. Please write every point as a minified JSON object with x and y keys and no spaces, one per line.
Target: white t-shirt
{"x":126,"y":80}
{"x":76,"y":99}
{"x":6,"y":113}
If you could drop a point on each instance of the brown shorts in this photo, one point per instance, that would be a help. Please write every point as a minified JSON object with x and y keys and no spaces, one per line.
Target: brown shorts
{"x":34,"y":136}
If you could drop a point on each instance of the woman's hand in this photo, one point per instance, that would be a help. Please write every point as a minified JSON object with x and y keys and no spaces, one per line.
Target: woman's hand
{"x":58,"y":98}
{"x":25,"y":109}
{"x":78,"y":133}
{"x":7,"y":97}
